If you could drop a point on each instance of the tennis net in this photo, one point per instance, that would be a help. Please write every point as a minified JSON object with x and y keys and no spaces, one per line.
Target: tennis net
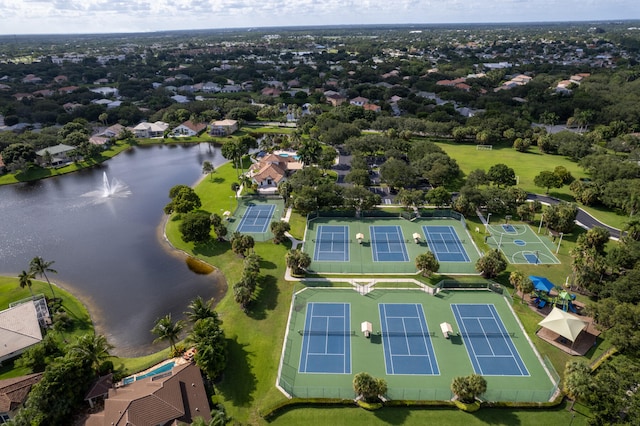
{"x":330,"y":240}
{"x":431,"y":239}
{"x":433,"y":333}
{"x":327,"y":332}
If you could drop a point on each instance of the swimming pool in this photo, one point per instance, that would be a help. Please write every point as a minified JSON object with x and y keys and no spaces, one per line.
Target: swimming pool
{"x":161,"y":369}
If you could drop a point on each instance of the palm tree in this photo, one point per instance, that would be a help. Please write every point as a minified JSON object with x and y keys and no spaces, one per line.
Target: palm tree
{"x":199,"y":309}
{"x":93,"y":348}
{"x":38,"y":266}
{"x":166,"y":329}
{"x":207,"y":168}
{"x":577,"y":380}
{"x":25,"y":280}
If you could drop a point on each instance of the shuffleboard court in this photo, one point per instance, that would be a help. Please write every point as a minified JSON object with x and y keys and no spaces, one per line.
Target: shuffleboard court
{"x":445,"y":244}
{"x":387,"y":243}
{"x":488,"y":343}
{"x":332,"y":243}
{"x":326,"y":344}
{"x":256,"y":218}
{"x":406,"y":340}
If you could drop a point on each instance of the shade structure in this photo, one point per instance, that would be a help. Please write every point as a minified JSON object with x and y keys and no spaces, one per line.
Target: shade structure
{"x":226,"y":213}
{"x":541,"y":283}
{"x":416,"y":236}
{"x":359,"y":236}
{"x":366,"y":328}
{"x":446,"y":329}
{"x":563,"y":323}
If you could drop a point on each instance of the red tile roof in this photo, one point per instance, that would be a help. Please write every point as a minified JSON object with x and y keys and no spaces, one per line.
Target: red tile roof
{"x":14,"y":391}
{"x":175,"y":396}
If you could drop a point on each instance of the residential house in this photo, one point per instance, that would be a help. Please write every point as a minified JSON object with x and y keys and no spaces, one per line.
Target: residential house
{"x":67,"y":89}
{"x":271,"y":91}
{"x":223,"y":127}
{"x":13,"y":394}
{"x":336,"y":99}
{"x":105,"y":91}
{"x":150,"y":130}
{"x":272,"y":169}
{"x":44,"y":93}
{"x":60,"y":154}
{"x":31,"y":79}
{"x":172,"y":398}
{"x":19,"y":329}
{"x":372,"y":107}
{"x":189,"y":128}
{"x":359,"y":101}
{"x":112,"y":131}
{"x":181,"y":99}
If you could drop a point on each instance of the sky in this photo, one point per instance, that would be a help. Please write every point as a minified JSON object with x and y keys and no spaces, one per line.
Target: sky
{"x":117,"y":16}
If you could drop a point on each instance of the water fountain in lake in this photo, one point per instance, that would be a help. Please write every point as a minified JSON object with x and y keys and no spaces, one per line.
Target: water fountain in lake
{"x":113,"y":189}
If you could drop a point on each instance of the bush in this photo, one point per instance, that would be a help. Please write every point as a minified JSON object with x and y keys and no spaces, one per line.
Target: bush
{"x":62,"y":321}
{"x":468,"y":407}
{"x":105,"y":368}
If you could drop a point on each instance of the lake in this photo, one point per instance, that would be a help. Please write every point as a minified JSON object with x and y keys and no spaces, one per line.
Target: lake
{"x":110,"y":252}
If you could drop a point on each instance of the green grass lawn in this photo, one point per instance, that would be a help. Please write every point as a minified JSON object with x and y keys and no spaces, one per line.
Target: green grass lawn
{"x":432,"y":416}
{"x":526,"y":166}
{"x":10,"y":291}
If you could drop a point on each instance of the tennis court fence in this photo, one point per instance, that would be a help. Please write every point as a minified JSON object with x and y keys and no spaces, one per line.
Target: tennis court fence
{"x":443,"y":213}
{"x":419,"y":394}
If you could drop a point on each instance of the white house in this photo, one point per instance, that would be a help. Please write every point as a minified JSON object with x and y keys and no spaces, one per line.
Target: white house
{"x":150,"y":130}
{"x":223,"y":127}
{"x":189,"y":128}
{"x":19,"y":330}
{"x":60,"y":154}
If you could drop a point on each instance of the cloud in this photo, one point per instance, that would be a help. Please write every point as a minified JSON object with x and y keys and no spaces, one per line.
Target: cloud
{"x":42,"y":16}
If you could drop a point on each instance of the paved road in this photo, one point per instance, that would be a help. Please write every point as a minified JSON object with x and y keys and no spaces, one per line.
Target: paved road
{"x":583,"y":218}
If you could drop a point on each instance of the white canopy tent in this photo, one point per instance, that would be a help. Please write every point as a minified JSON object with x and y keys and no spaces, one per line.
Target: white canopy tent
{"x":366,"y":328}
{"x":563,"y":323}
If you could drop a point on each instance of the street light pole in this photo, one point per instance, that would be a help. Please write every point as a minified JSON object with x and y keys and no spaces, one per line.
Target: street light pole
{"x":558,"y":249}
{"x":486,"y":225}
{"x":540,"y":227}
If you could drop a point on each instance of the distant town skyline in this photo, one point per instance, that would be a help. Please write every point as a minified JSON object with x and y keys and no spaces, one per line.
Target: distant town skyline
{"x":121,"y":16}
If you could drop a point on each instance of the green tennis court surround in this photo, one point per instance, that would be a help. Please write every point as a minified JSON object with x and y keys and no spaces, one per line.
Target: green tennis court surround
{"x":388,"y":245}
{"x":410,"y":350}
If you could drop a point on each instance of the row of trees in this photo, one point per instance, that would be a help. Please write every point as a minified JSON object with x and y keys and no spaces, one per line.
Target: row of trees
{"x":245,"y":289}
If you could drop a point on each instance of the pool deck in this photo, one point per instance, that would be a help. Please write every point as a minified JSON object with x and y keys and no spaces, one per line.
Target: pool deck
{"x":176,"y":361}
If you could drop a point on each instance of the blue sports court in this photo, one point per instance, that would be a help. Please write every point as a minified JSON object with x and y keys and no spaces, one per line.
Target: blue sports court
{"x":332,"y":243}
{"x":387,"y":243}
{"x":326,"y":343}
{"x":488,"y":344}
{"x":406,"y":340}
{"x":256,"y":218}
{"x":443,"y":241}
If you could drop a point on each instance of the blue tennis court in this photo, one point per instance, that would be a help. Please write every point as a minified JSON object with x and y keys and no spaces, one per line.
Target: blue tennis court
{"x":256,"y":218}
{"x":489,"y":345}
{"x":387,"y":243}
{"x":332,"y":243}
{"x":445,"y":244}
{"x":326,"y":343}
{"x":406,"y":340}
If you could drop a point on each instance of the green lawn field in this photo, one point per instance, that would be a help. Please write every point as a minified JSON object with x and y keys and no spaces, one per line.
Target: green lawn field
{"x":526,"y":166}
